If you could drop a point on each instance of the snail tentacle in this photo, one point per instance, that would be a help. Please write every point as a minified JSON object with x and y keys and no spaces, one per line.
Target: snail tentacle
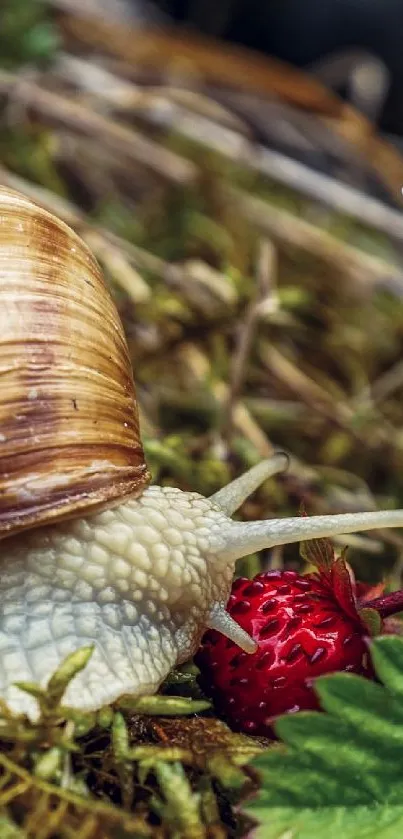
{"x":222,"y":621}
{"x":142,"y":580}
{"x":230,"y":497}
{"x":239,"y":539}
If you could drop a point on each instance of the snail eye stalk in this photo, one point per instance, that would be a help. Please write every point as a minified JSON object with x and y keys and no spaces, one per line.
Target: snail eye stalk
{"x":230,"y":497}
{"x":238,"y":539}
{"x":222,"y":621}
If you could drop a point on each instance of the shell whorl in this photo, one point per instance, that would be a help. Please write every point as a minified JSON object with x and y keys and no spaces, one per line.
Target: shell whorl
{"x":69,"y":427}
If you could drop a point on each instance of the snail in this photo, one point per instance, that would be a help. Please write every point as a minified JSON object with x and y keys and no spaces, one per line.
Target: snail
{"x":91,"y":553}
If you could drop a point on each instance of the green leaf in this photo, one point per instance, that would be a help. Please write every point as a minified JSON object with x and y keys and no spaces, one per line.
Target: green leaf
{"x":48,"y":764}
{"x":372,"y":620}
{"x":182,"y":807}
{"x":69,"y":668}
{"x":348,"y":823}
{"x":9,"y":830}
{"x":339,"y":772}
{"x":120,"y":746}
{"x":27,"y":33}
{"x":49,"y":698}
{"x":120,"y":738}
{"x":105,"y":717}
{"x":163,"y":705}
{"x":226,"y":772}
{"x":387,"y":656}
{"x":32,"y":688}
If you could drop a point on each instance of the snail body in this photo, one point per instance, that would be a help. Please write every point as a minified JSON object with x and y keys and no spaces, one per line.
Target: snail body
{"x":90,"y":553}
{"x":133,"y":579}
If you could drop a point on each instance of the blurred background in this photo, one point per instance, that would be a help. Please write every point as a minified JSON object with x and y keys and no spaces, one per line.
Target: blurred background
{"x":236,"y":168}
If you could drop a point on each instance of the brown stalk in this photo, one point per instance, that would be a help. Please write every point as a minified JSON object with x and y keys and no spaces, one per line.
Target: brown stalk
{"x":59,"y":110}
{"x":235,"y":66}
{"x":364,"y":271}
{"x":265,"y":279}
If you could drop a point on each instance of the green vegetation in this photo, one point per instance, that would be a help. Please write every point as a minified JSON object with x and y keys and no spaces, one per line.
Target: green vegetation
{"x":251,"y":326}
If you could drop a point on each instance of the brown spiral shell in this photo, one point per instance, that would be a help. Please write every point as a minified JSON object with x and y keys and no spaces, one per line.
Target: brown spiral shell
{"x":69,"y":427}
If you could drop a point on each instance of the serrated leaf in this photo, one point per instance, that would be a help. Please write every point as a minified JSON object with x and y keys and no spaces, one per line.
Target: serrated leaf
{"x":339,"y":772}
{"x":387,"y":657}
{"x":352,"y":823}
{"x":371,"y":710}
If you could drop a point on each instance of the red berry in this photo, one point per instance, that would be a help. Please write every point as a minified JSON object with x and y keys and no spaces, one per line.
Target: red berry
{"x":304,"y":629}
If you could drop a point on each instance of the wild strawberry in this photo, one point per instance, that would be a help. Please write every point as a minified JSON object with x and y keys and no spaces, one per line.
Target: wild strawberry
{"x":305,"y":626}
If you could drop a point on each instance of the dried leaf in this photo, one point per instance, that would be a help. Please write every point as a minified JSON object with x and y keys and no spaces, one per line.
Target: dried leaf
{"x":318,"y":552}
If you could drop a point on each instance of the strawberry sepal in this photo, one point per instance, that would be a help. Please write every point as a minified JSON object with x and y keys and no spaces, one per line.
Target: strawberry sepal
{"x":372,"y":621}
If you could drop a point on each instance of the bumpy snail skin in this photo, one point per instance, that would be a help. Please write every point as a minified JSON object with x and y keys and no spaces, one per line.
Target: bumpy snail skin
{"x":141,"y":582}
{"x":134,"y":580}
{"x":143,"y":579}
